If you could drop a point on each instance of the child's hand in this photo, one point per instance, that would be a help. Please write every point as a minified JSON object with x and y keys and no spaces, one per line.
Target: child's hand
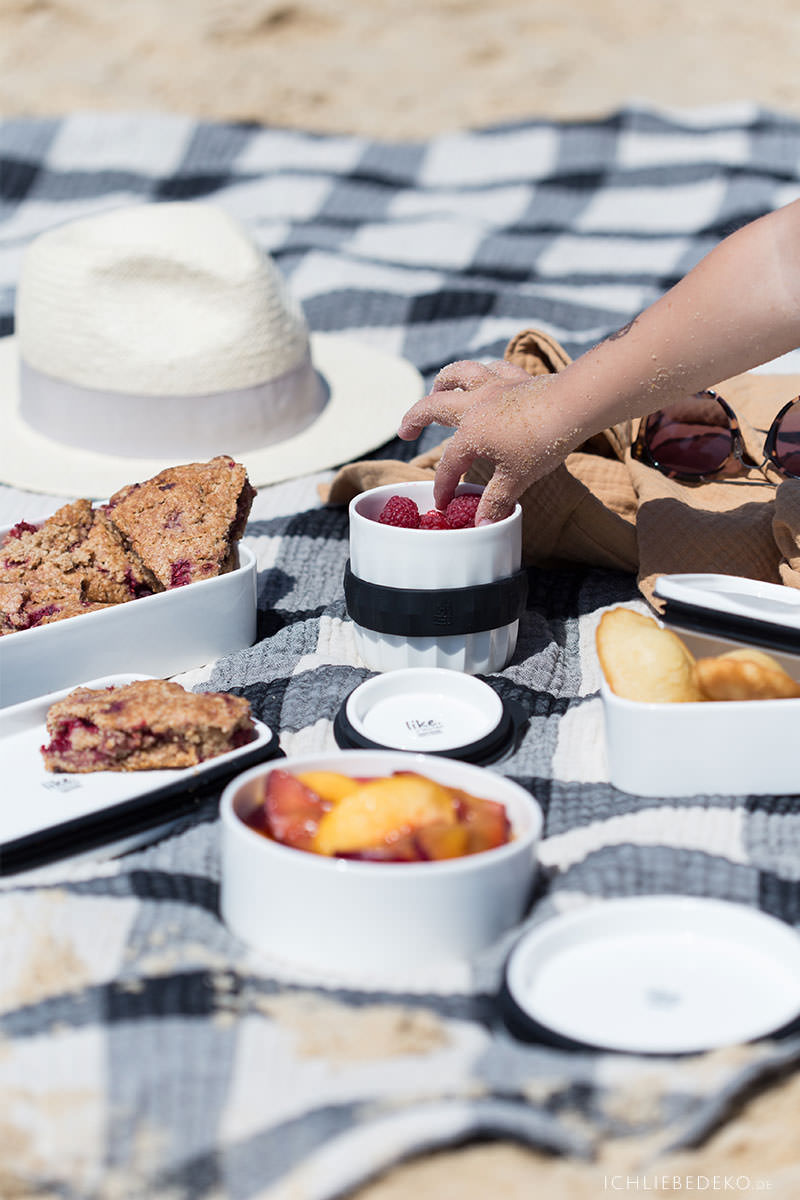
{"x":502,"y":414}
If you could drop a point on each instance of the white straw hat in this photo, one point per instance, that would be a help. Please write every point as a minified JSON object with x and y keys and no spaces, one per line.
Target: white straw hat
{"x":160,"y":334}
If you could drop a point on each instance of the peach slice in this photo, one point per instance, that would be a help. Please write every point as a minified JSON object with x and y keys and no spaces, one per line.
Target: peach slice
{"x":382,"y":810}
{"x":291,"y":810}
{"x":329,"y":785}
{"x":439,"y":841}
{"x":486,"y":822}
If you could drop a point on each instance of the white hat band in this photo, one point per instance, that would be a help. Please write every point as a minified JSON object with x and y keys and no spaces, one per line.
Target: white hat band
{"x":139,"y":426}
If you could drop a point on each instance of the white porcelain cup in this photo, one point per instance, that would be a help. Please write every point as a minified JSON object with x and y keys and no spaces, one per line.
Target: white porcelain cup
{"x":434,"y":560}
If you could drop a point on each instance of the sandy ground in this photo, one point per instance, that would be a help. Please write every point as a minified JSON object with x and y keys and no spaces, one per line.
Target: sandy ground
{"x":410,"y":69}
{"x":393,"y":68}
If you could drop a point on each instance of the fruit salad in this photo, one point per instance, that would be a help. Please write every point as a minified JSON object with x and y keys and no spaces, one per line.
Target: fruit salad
{"x":403,"y":817}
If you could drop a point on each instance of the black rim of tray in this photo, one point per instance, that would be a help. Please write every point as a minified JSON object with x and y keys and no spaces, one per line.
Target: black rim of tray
{"x":129,"y":818}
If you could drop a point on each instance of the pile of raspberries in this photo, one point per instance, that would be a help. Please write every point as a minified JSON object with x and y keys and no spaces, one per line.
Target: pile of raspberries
{"x":403,"y":512}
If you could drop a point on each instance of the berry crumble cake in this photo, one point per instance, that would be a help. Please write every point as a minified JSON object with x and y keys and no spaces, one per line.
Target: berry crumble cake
{"x":185,"y":522}
{"x":148,"y":725}
{"x":181,"y":526}
{"x":26,"y":605}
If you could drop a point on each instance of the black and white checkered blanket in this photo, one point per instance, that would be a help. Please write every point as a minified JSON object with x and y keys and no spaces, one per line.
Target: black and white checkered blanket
{"x":145,"y":1052}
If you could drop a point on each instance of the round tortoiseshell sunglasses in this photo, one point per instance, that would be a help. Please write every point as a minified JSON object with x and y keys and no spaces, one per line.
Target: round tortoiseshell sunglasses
{"x":699,"y":438}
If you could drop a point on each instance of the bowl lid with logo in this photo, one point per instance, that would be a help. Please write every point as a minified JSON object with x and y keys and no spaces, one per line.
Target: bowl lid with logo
{"x":430,"y":710}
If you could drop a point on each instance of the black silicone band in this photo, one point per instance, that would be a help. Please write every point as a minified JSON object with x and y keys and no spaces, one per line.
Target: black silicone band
{"x":413,"y":612}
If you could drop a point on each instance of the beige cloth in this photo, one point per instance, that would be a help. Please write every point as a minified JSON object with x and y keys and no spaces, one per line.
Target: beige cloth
{"x":603,"y":508}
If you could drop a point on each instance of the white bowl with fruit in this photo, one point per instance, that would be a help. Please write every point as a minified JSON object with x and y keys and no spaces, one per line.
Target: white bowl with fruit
{"x":367,"y":863}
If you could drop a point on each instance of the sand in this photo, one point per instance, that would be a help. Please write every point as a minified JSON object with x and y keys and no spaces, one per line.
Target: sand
{"x":411,"y":69}
{"x":393,"y":68}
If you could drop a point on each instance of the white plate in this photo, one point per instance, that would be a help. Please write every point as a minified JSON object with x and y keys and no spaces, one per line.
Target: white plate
{"x":159,"y":635}
{"x":656,"y":975}
{"x":46,"y":816}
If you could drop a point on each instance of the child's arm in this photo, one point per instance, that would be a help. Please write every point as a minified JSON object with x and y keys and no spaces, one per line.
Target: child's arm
{"x":738,"y":308}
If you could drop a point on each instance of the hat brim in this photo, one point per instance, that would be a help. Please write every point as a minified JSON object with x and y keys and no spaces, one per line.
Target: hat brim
{"x":369,"y":390}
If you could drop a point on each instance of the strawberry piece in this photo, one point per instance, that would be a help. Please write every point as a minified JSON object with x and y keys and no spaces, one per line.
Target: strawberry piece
{"x":434,"y":519}
{"x":292,"y":810}
{"x":460,"y":512}
{"x":400,"y":511}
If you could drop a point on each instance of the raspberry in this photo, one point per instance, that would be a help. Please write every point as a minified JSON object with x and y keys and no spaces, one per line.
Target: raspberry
{"x":460,"y":512}
{"x":400,"y":511}
{"x":434,"y":519}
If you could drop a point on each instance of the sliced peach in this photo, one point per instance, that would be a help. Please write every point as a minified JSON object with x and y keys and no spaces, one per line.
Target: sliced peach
{"x":330,"y":785}
{"x":486,"y":822}
{"x":439,"y":841}
{"x":292,"y":810}
{"x":383,"y":810}
{"x":400,"y":849}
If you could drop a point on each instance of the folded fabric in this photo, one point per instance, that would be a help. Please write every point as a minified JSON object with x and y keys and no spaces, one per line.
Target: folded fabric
{"x":603,"y":508}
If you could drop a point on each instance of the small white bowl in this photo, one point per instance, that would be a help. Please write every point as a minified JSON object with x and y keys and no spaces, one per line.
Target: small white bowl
{"x":432,"y":560}
{"x":357,"y":919}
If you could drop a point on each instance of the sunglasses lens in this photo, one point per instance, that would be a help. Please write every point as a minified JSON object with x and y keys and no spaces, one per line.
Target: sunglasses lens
{"x":787,"y":441}
{"x":691,"y":437}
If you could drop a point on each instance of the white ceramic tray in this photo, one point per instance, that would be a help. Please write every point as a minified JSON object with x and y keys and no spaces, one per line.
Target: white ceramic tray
{"x":46,"y":816}
{"x":159,"y":635}
{"x":735,"y":747}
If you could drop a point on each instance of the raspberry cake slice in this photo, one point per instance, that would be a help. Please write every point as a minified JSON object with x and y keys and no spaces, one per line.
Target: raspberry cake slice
{"x":151,"y":724}
{"x":26,"y":547}
{"x":33,"y":602}
{"x":110,"y":573}
{"x":76,"y":552}
{"x":184,"y":523}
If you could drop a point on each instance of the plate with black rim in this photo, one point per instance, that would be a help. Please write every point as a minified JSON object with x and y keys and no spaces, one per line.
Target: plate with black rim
{"x":654,"y":975}
{"x":47,"y":816}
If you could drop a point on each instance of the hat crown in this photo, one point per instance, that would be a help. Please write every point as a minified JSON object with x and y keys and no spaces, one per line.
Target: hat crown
{"x":157,"y":299}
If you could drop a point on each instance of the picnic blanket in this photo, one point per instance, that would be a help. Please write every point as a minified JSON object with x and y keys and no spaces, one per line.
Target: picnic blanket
{"x":145,"y":1052}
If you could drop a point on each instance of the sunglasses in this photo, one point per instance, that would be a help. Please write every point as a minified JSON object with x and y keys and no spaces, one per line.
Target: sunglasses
{"x":699,"y":438}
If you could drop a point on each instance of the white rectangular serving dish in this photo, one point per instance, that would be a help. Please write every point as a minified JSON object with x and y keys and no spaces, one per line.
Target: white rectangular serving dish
{"x":159,"y":635}
{"x":735,"y":747}
{"x":46,"y":816}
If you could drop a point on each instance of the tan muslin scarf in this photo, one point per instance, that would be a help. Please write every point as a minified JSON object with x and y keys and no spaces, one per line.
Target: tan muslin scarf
{"x":603,"y":508}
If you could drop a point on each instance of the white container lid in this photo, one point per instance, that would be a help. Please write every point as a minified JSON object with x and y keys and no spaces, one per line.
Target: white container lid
{"x":654,"y":975}
{"x":430,"y":711}
{"x":733,"y":607}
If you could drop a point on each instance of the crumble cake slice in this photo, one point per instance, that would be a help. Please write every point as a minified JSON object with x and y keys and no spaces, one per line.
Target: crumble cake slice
{"x":27,"y":546}
{"x":75,"y":552}
{"x":185,"y":522}
{"x":151,"y":724}
{"x":109,"y":572}
{"x":34,"y":601}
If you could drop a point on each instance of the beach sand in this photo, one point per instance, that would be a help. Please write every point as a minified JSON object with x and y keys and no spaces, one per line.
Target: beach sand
{"x":393,"y":68}
{"x":410,"y":69}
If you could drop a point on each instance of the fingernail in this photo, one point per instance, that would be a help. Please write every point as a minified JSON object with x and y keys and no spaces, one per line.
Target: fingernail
{"x":483,"y":521}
